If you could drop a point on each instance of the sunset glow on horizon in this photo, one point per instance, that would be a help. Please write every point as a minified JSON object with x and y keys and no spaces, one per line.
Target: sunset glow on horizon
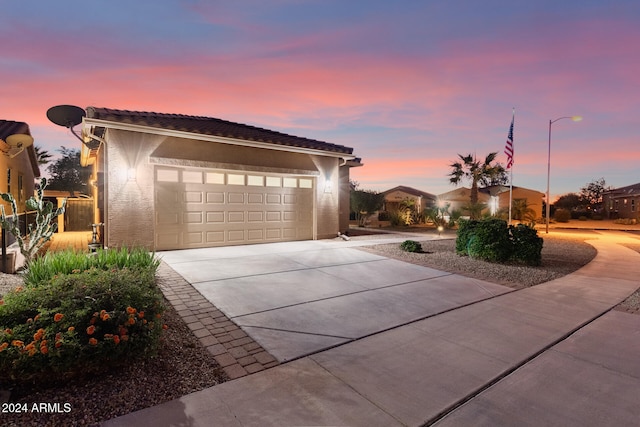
{"x":409,"y":85}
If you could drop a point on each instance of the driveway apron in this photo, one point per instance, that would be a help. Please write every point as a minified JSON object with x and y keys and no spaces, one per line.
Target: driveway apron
{"x":298,"y":298}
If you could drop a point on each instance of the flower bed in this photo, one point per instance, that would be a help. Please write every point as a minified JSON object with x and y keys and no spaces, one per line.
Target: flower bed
{"x":79,"y":314}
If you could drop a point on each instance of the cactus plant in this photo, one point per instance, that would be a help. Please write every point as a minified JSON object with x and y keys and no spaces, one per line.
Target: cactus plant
{"x":40,"y":232}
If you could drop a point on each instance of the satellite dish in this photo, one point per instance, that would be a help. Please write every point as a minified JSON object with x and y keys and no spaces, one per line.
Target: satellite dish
{"x":66,"y":115}
{"x":19,"y":140}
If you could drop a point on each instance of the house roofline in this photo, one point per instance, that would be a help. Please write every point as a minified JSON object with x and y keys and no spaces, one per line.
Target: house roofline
{"x":91,"y":122}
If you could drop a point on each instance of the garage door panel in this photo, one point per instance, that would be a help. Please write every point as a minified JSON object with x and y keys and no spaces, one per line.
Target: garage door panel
{"x":274,"y":216}
{"x":236,"y":197}
{"x":235,"y":217}
{"x":192,"y":218}
{"x":215,"y":236}
{"x":254,"y":235}
{"x":235,"y":235}
{"x":255,"y":216}
{"x":215,"y":197}
{"x":193,"y":238}
{"x":193,"y":197}
{"x":274,"y":199}
{"x":256,"y":198}
{"x":215,"y":217}
{"x":273,"y":233}
{"x":199,"y":208}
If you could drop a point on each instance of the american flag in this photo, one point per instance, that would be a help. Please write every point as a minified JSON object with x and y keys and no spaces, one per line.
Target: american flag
{"x":508,"y":149}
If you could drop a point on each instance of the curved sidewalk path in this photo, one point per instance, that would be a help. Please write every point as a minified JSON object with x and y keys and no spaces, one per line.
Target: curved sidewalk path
{"x":553,"y":354}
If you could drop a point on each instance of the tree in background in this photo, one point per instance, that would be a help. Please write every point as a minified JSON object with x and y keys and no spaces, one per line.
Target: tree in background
{"x":67,"y":174}
{"x":42,"y":156}
{"x":483,"y":173}
{"x":591,"y":195}
{"x":569,"y":202}
{"x":364,"y":203}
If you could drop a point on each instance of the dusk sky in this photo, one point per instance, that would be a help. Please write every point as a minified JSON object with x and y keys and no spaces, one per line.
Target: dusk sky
{"x":407,"y":84}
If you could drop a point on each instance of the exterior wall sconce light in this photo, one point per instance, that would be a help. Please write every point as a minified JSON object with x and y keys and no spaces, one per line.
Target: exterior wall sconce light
{"x":131,"y":174}
{"x":328,"y":186}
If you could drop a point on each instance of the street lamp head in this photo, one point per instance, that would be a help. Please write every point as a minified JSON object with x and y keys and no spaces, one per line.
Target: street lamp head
{"x":576,"y":118}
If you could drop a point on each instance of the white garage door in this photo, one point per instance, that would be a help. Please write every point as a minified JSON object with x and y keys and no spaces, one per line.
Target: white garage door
{"x":197,"y":208}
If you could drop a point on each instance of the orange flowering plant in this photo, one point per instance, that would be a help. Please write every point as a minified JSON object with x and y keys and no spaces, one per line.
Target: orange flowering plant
{"x":80,"y":321}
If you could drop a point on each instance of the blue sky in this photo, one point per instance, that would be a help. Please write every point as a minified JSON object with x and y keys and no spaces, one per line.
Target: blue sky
{"x":407,"y":84}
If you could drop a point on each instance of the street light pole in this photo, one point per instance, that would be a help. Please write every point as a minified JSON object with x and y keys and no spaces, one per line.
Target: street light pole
{"x":548,"y":211}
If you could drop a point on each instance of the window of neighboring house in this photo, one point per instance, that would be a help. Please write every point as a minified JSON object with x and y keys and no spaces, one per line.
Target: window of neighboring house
{"x":20,"y":188}
{"x":9,"y":181}
{"x":633,"y":205}
{"x":616,"y":205}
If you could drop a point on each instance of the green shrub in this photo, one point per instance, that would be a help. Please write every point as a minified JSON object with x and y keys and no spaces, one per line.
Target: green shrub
{"x":490,"y":241}
{"x":562,"y":215}
{"x":527,"y":245}
{"x":411,"y":246}
{"x":582,"y":218}
{"x":79,"y":322}
{"x":466,"y":228}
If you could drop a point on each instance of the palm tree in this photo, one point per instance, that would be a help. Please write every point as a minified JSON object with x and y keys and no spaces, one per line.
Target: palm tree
{"x":485,"y":173}
{"x":42,"y":156}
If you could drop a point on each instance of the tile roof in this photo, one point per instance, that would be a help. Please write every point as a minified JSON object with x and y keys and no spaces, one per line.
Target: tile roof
{"x":211,"y":126}
{"x":9,"y":127}
{"x":412,"y":191}
{"x":629,"y":190}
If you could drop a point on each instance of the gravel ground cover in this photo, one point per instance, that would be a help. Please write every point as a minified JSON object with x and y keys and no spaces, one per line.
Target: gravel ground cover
{"x":561,"y":254}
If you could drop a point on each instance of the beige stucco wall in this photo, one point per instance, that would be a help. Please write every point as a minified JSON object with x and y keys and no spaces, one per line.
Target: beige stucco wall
{"x":19,"y":165}
{"x":327,"y":200}
{"x":533,"y":198}
{"x":130,"y":206}
{"x":344,"y":199}
{"x":129,"y":209}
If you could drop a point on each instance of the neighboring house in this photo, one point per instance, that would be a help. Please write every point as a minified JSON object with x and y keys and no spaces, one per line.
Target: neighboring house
{"x":459,"y":198}
{"x":171,"y":181}
{"x":623,"y":202}
{"x":499,"y":198}
{"x":394,"y":197}
{"x":18,"y":163}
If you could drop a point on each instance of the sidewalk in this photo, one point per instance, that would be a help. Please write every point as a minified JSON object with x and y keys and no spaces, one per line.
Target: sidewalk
{"x":552,"y":354}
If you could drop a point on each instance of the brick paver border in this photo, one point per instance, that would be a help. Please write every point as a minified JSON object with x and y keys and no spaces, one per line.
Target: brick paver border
{"x":236,"y":352}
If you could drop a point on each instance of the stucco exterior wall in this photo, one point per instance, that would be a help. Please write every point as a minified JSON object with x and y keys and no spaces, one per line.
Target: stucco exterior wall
{"x":533,"y":198}
{"x":327,"y":199}
{"x":129,"y":191}
{"x":20,"y":166}
{"x":345,"y":199}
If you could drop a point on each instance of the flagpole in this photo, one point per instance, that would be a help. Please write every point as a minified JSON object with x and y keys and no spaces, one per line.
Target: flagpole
{"x":510,"y":192}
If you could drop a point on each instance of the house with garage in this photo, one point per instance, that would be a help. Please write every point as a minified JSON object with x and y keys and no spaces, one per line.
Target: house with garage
{"x":173,"y":181}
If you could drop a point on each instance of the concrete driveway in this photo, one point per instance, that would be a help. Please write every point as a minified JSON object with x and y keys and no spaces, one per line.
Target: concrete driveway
{"x":298,"y":298}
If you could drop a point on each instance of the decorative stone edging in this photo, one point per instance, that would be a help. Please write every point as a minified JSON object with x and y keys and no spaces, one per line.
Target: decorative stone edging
{"x":236,"y":352}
